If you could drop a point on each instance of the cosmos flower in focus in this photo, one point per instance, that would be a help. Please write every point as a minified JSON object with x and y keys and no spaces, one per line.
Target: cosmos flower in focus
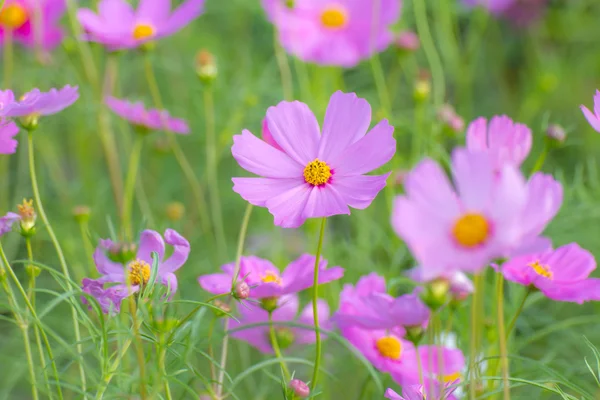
{"x":506,"y":142}
{"x":286,"y":311}
{"x":125,"y":280}
{"x":466,"y":226}
{"x":18,"y":20}
{"x":593,"y":117}
{"x":561,"y":274}
{"x":152,"y":119}
{"x":338,"y":32}
{"x":118,"y":26}
{"x":316,"y":175}
{"x":266,"y":281}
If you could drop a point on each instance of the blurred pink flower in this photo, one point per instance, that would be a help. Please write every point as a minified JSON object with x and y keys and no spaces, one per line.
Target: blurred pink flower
{"x":339,"y":32}
{"x":151,"y":119}
{"x":286,"y":311}
{"x":37,"y":103}
{"x":451,"y":119}
{"x":8,"y":130}
{"x":408,"y":40}
{"x":119,"y":26}
{"x":593,"y":117}
{"x":316,"y":175}
{"x":266,"y":281}
{"x":460,"y":286}
{"x":561,"y":274}
{"x":507,"y":142}
{"x":466,"y":226}
{"x":18,"y":18}
{"x":7,"y":221}
{"x":494,"y":6}
{"x":419,"y":392}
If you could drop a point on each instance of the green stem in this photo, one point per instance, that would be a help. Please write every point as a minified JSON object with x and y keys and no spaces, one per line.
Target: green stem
{"x":8,"y":54}
{"x":211,"y":352}
{"x":89,"y":250}
{"x":539,"y":162}
{"x":379,"y":77}
{"x":25,"y":332}
{"x":132,"y":172}
{"x":161,"y":361}
{"x":364,"y":387}
{"x":12,"y":299}
{"x":212,"y":170}
{"x":59,"y":253}
{"x":315,"y":298}
{"x":474,"y":331}
{"x":513,"y":322}
{"x":180,"y":156}
{"x":502,"y":334}
{"x":113,"y":369}
{"x":420,"y":368}
{"x":139,"y":346}
{"x":277,"y":350}
{"x":284,"y":69}
{"x":433,"y":58}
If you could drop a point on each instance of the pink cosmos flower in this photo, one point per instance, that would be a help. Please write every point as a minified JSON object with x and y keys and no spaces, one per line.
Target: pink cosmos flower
{"x":418,"y":392}
{"x":561,"y":274}
{"x":8,"y":130}
{"x":265,"y":280}
{"x":151,"y":119}
{"x":127,"y":280}
{"x":18,"y":18}
{"x":463,"y":227}
{"x":460,"y":284}
{"x":506,"y":142}
{"x":593,"y":117}
{"x":267,"y":137}
{"x":37,"y":103}
{"x":316,"y":175}
{"x":338,"y":32}
{"x":7,"y":221}
{"x":287,"y":311}
{"x":408,"y":40}
{"x":118,"y":26}
{"x":369,"y":306}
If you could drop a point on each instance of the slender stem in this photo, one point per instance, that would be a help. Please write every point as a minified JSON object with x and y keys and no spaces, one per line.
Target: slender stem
{"x":212,"y":170}
{"x":211,"y":352}
{"x":474,"y":331}
{"x":433,"y":58}
{"x":12,"y":299}
{"x":284,"y":69}
{"x":180,"y":156}
{"x":132,"y":172}
{"x":513,"y":322}
{"x":8,"y":57}
{"x":113,"y":369}
{"x":139,"y":347}
{"x":30,"y":272}
{"x":89,"y":250}
{"x":161,"y":361}
{"x":315,"y":298}
{"x":364,"y":387}
{"x":420,"y":368}
{"x":379,"y":77}
{"x":539,"y":162}
{"x":502,"y":334}
{"x":25,"y":332}
{"x":277,"y":350}
{"x":59,"y":253}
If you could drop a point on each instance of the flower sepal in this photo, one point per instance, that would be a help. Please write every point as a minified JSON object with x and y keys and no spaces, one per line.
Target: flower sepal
{"x":269,"y":304}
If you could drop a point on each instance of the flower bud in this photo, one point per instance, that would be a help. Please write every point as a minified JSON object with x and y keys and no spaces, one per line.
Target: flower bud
{"x":175,"y":211}
{"x":436,"y":293}
{"x":122,"y":252}
{"x":242,"y":291}
{"x":408,"y":41}
{"x":28,"y":216}
{"x":422,"y":87}
{"x":414,"y":334}
{"x":556,"y":133}
{"x":81,"y":213}
{"x":206,"y":67}
{"x":285,"y":337}
{"x":289,"y":3}
{"x":451,"y":120}
{"x":222,"y":308}
{"x":269,"y":303}
{"x":29,"y":122}
{"x":299,"y":388}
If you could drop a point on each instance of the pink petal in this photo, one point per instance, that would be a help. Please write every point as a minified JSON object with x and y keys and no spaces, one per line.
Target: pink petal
{"x":116,"y":12}
{"x":287,"y":308}
{"x":153,"y":11}
{"x":474,"y":177}
{"x":288,"y":207}
{"x":594,"y":120}
{"x":597,"y":103}
{"x":304,"y":336}
{"x":215,"y":283}
{"x":477,"y":135}
{"x":183,"y":15}
{"x":569,"y":263}
{"x":103,"y":264}
{"x":258,"y":157}
{"x":181,"y":251}
{"x":360,"y":190}
{"x":295,"y":129}
{"x":367,"y":154}
{"x":578,"y":292}
{"x":324,"y":202}
{"x":151,"y":241}
{"x":347,"y":120}
{"x":257,"y":191}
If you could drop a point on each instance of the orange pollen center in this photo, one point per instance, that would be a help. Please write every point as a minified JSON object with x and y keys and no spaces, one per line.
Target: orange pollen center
{"x":389,"y":347}
{"x":317,"y":173}
{"x":271,"y":277}
{"x":139,"y":272}
{"x":334,"y":17}
{"x":452,"y":377}
{"x":471,"y":230}
{"x":143,"y":31}
{"x":13,"y":16}
{"x":541,"y":270}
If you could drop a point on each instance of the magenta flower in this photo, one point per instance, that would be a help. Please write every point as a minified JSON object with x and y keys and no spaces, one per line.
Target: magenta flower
{"x":287,"y":311}
{"x":408,"y":40}
{"x":561,"y":274}
{"x":129,"y":279}
{"x":118,"y":26}
{"x":152,"y":119}
{"x":267,"y":136}
{"x":506,"y":142}
{"x":7,"y":221}
{"x":18,"y":18}
{"x":340,"y":32}
{"x":265,"y":280}
{"x":352,"y":304}
{"x":463,"y":227}
{"x":36,"y":103}
{"x":593,"y":117}
{"x":460,"y":286}
{"x":8,"y":130}
{"x":315,"y":175}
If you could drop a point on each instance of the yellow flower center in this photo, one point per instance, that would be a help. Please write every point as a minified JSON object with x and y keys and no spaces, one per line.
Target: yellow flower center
{"x":317,"y":173}
{"x":471,"y":230}
{"x":541,"y":270}
{"x":139,"y":272}
{"x":143,"y":31}
{"x":389,"y":347}
{"x":334,"y":17}
{"x":452,"y":377}
{"x":13,"y":16}
{"x":271,"y":276}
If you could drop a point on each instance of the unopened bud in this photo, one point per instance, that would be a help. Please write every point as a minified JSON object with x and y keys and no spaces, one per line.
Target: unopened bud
{"x":299,"y":388}
{"x":28,"y":216}
{"x":436,"y":293}
{"x":206,"y":67}
{"x":269,"y":304}
{"x":414,"y":334}
{"x":29,"y":122}
{"x":408,"y":41}
{"x":556,"y":133}
{"x":81,"y":213}
{"x":175,"y":211}
{"x":222,"y":308}
{"x":422,"y":87}
{"x":451,"y":120}
{"x":122,"y":252}
{"x":242,"y":291}
{"x":285,"y":337}
{"x":399,"y":177}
